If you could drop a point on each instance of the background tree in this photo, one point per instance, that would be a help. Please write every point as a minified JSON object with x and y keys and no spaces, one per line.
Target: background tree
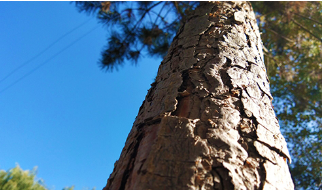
{"x":18,"y":179}
{"x":292,"y":44}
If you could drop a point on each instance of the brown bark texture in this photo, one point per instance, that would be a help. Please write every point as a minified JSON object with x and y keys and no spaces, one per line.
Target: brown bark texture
{"x":208,"y":121}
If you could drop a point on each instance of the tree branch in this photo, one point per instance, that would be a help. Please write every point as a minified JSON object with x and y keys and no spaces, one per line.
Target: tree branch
{"x":163,"y":18}
{"x":142,"y":17}
{"x":280,"y":35}
{"x":146,"y":11}
{"x":159,"y":14}
{"x":269,"y":54}
{"x":305,"y":29}
{"x":307,"y":18}
{"x":178,"y":9}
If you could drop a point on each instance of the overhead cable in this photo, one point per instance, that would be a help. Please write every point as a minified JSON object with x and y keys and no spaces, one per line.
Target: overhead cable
{"x":55,"y":55}
{"x":48,"y":47}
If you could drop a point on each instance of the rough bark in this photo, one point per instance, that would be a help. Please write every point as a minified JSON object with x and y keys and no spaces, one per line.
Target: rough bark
{"x":207,"y":122}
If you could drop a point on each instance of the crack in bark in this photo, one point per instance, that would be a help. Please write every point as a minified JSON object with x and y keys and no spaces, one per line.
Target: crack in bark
{"x":130,"y":165}
{"x":264,"y":91}
{"x":221,"y":179}
{"x":278,"y":151}
{"x":262,"y":176}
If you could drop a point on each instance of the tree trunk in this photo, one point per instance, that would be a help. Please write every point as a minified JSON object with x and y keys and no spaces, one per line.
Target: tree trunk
{"x":208,"y":121}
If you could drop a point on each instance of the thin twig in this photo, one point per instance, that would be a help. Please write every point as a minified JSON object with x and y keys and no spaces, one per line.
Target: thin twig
{"x":178,"y":9}
{"x":159,"y":14}
{"x":162,"y":18}
{"x":307,"y":30}
{"x":269,"y":54}
{"x":142,"y":17}
{"x":150,"y":17}
{"x":280,"y":35}
{"x":264,"y":48}
{"x":307,"y":18}
{"x":146,"y":11}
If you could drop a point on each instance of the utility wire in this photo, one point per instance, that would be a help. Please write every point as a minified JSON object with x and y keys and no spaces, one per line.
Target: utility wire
{"x":42,"y":64}
{"x":48,"y":47}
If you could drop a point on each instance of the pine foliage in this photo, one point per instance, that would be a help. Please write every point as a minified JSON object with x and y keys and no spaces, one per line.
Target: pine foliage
{"x":137,"y":28}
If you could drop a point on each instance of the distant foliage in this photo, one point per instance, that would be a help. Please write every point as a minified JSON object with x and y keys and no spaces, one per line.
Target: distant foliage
{"x":70,"y":188}
{"x":292,"y":43}
{"x":18,"y":179}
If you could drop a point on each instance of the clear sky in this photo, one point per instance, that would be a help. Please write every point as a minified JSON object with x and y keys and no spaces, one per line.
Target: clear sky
{"x":68,"y":117}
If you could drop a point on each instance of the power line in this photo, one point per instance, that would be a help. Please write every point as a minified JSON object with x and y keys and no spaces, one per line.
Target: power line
{"x":42,"y":64}
{"x":48,"y":47}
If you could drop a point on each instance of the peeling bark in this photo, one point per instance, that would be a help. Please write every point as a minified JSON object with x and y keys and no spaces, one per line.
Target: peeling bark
{"x":207,"y":122}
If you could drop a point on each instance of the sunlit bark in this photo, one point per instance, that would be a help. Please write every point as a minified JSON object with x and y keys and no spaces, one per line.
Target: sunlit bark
{"x":207,"y":122}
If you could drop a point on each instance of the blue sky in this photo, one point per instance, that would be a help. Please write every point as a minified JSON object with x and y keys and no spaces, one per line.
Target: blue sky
{"x":68,"y":117}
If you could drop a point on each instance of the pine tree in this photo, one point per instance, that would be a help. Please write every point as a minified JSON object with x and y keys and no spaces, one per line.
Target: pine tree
{"x":207,"y":121}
